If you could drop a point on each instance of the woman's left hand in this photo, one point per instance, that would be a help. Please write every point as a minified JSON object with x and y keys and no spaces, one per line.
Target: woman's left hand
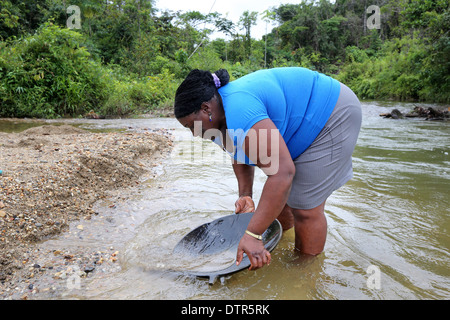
{"x":244,"y":204}
{"x":255,"y":250}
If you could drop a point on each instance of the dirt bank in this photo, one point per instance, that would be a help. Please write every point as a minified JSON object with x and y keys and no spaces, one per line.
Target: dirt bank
{"x":52,"y":175}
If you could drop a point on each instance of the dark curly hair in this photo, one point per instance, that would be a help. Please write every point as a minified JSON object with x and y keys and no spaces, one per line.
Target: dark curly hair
{"x":198,"y":87}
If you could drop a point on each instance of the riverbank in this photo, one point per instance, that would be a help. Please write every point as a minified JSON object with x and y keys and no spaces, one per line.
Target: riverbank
{"x":51,"y":176}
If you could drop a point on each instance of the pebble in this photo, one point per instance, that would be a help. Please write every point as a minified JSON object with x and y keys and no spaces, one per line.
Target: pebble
{"x":89,"y":268}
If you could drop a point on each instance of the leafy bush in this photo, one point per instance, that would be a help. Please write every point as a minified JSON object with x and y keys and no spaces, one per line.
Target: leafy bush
{"x":206,"y":58}
{"x":355,"y":54}
{"x":50,"y":74}
{"x":132,"y":96}
{"x":401,"y":70}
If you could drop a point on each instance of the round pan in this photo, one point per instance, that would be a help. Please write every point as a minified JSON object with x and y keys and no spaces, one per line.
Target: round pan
{"x":220,"y":236}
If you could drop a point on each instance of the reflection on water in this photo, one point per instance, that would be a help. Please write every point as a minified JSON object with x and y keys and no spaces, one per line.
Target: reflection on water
{"x":18,"y":125}
{"x":394,"y":214}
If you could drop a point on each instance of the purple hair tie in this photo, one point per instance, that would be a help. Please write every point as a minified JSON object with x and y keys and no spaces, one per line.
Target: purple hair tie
{"x":216,"y":81}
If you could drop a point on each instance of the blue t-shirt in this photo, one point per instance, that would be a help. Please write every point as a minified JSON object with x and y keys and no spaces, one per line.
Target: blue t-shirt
{"x":298,"y":101}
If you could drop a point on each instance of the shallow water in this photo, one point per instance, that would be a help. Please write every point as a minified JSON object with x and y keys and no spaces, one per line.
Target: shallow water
{"x":388,"y":228}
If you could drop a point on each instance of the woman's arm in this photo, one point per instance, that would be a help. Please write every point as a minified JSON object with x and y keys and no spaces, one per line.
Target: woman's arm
{"x":266,"y":147}
{"x":245,"y":175}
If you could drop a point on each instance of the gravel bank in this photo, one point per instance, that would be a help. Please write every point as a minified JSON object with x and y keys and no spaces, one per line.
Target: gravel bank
{"x":53,"y":175}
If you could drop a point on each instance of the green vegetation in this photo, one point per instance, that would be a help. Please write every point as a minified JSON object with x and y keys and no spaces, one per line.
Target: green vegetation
{"x":129,"y":57}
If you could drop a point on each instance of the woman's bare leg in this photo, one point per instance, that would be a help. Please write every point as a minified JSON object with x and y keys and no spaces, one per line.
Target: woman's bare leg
{"x":310,"y":230}
{"x":286,"y":218}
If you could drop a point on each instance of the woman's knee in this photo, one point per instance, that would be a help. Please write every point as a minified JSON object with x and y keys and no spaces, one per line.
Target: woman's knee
{"x":309,"y":214}
{"x":310,"y":230}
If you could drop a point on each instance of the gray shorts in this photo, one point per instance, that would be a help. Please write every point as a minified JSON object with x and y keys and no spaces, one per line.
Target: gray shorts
{"x":327,"y":164}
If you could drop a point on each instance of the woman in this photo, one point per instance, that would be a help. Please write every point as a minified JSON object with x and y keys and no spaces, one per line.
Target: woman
{"x":299,"y":126}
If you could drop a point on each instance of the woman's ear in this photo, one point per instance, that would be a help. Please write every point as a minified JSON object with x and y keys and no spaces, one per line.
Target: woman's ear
{"x":206,"y":107}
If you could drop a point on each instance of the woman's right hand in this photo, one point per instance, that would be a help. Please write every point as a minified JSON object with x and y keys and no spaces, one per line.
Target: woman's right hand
{"x":244,"y":204}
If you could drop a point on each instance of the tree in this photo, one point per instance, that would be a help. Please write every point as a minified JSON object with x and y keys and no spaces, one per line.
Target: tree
{"x":20,"y":17}
{"x":247,"y":20}
{"x":267,"y":16}
{"x":225,"y":26}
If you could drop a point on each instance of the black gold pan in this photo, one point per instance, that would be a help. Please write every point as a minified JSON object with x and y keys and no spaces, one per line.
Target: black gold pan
{"x":220,"y":236}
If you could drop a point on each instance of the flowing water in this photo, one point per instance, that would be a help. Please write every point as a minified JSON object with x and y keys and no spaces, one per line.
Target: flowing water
{"x":388,"y":228}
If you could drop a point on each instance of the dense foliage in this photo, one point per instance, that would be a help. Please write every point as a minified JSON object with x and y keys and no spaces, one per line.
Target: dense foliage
{"x":129,"y":57}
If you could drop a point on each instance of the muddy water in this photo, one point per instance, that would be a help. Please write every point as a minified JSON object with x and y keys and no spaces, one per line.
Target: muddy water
{"x":388,"y":235}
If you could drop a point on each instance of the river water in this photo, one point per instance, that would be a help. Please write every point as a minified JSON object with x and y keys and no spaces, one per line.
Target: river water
{"x":388,"y":228}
